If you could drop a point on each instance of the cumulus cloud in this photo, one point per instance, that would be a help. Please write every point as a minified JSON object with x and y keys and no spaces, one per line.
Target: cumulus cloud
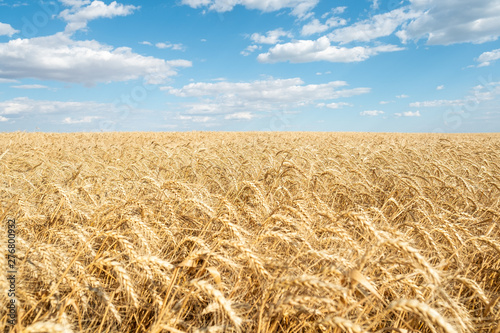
{"x":271,"y":90}
{"x":315,"y":26}
{"x":299,"y":7}
{"x":486,"y":58}
{"x":408,"y":114}
{"x":478,"y":94}
{"x":439,"y":22}
{"x":371,"y":113}
{"x":444,"y":22}
{"x":240,"y":116}
{"x":196,"y":3}
{"x":437,"y":103}
{"x":60,"y":58}
{"x":79,"y":15}
{"x":2,"y":80}
{"x":27,"y":106}
{"x":250,"y":49}
{"x":336,"y":10}
{"x":167,"y":45}
{"x":380,"y":25}
{"x":179,"y":63}
{"x":338,"y":105}
{"x":263,"y":95}
{"x":271,"y":37}
{"x":86,"y":119}
{"x":440,"y":87}
{"x":402,"y":96}
{"x":196,"y":119}
{"x":321,"y":50}
{"x":30,"y":86}
{"x":7,"y":30}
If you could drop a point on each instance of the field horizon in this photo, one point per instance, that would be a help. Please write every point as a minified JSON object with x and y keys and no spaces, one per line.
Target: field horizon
{"x":253,"y":132}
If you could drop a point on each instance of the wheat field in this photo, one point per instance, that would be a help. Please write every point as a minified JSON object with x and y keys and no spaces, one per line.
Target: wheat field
{"x":253,"y":232}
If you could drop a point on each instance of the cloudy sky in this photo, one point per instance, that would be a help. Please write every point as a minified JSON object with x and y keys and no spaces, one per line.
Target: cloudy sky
{"x":250,"y":65}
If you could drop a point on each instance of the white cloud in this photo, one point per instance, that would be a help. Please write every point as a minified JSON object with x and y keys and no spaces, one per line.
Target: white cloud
{"x":167,"y":45}
{"x":78,"y":16}
{"x":30,"y":86}
{"x":385,"y":102}
{"x":13,"y":4}
{"x":86,"y":119}
{"x":263,"y":95}
{"x":321,"y":50}
{"x":371,"y":113}
{"x":440,"y":22}
{"x":250,"y":49}
{"x":197,"y":3}
{"x":440,"y":87}
{"x":444,"y":22}
{"x":179,"y":63}
{"x":196,"y":119}
{"x":486,"y":58}
{"x":8,"y":81}
{"x":7,"y":30}
{"x":478,"y":94}
{"x":437,"y":103}
{"x":408,"y":114}
{"x":27,"y":106}
{"x":60,"y":58}
{"x":334,"y":105}
{"x":337,"y":105}
{"x":240,"y":116}
{"x":402,"y":96}
{"x":380,"y":25}
{"x":208,"y":106}
{"x":271,"y":37}
{"x":403,"y":36}
{"x":2,"y":119}
{"x":315,"y":26}
{"x":300,"y":8}
{"x":271,"y":89}
{"x":339,"y":10}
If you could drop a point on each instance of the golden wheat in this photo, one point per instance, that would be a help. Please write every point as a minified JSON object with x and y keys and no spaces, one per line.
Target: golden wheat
{"x":253,"y":232}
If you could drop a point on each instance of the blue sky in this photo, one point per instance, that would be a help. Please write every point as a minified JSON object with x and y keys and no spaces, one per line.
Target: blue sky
{"x":250,"y":65}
